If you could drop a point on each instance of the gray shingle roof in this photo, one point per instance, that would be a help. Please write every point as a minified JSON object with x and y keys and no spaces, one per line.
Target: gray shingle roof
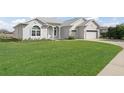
{"x":49,"y":20}
{"x":69,"y":22}
{"x":84,"y":23}
{"x":20,"y":24}
{"x":55,"y":20}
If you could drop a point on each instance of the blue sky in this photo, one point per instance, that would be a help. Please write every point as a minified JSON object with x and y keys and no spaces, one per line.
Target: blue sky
{"x":9,"y":22}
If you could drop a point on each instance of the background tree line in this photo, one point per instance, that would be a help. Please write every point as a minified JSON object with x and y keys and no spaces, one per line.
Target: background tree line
{"x":116,"y":32}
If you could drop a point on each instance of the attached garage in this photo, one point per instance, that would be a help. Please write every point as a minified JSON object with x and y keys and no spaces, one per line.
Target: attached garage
{"x":91,"y":34}
{"x":80,"y":29}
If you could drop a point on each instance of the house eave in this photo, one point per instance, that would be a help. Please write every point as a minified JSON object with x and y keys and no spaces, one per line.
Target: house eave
{"x":20,"y":24}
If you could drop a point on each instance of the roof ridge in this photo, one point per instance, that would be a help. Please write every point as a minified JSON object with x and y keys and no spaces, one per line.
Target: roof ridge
{"x":76,"y":18}
{"x":49,"y":19}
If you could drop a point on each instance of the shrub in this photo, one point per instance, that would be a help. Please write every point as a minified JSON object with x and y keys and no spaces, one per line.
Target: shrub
{"x":71,"y":38}
{"x":123,"y":38}
{"x":9,"y":40}
{"x":104,"y":35}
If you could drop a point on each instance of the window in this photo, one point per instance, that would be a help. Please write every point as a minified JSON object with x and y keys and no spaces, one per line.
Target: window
{"x":55,"y":31}
{"x":73,"y":30}
{"x":33,"y":33}
{"x":36,"y":31}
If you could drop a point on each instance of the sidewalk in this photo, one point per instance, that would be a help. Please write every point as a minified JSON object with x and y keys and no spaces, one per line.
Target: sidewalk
{"x":116,"y":66}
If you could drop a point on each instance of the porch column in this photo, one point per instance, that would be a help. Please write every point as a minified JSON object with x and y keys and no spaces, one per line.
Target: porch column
{"x":59,"y":33}
{"x":85,"y":34}
{"x":47,"y":32}
{"x":53,"y":32}
{"x":98,"y":33}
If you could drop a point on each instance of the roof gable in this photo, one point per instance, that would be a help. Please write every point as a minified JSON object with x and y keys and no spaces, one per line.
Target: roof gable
{"x":71,"y":21}
{"x":86,"y":22}
{"x":95,"y":23}
{"x":44,"y":21}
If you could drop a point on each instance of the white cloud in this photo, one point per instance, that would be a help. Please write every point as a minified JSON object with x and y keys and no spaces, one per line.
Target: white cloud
{"x":17,"y":21}
{"x":4,"y":25}
{"x":9,"y":26}
{"x":114,"y":21}
{"x":110,"y":24}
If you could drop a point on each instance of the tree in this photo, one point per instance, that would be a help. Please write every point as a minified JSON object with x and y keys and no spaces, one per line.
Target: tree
{"x":111,"y":32}
{"x":116,"y":32}
{"x":120,"y":31}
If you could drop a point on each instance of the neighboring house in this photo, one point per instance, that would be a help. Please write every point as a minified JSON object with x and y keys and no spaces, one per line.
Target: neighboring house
{"x":5,"y":33}
{"x":103,"y":29}
{"x":51,"y":28}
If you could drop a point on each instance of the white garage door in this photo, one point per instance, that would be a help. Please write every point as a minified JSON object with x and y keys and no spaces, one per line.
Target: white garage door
{"x":91,"y":34}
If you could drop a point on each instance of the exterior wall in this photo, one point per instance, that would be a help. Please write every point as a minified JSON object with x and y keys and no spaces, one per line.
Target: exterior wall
{"x":18,"y":33}
{"x":44,"y":33}
{"x":27,"y":31}
{"x":91,"y":26}
{"x":64,"y":33}
{"x":75,"y":24}
{"x":80,"y":32}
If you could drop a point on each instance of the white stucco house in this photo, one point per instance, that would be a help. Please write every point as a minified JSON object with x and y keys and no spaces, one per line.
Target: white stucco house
{"x":52,"y":28}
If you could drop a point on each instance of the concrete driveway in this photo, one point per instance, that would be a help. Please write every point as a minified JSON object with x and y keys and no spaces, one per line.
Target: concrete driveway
{"x":116,"y":66}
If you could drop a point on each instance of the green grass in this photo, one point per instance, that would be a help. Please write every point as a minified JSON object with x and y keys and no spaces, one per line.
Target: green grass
{"x":55,"y":57}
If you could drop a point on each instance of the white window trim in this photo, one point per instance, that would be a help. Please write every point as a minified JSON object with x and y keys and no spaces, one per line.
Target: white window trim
{"x":36,"y":32}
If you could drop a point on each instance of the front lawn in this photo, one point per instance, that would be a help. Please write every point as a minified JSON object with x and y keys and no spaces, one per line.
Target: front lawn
{"x":55,"y":57}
